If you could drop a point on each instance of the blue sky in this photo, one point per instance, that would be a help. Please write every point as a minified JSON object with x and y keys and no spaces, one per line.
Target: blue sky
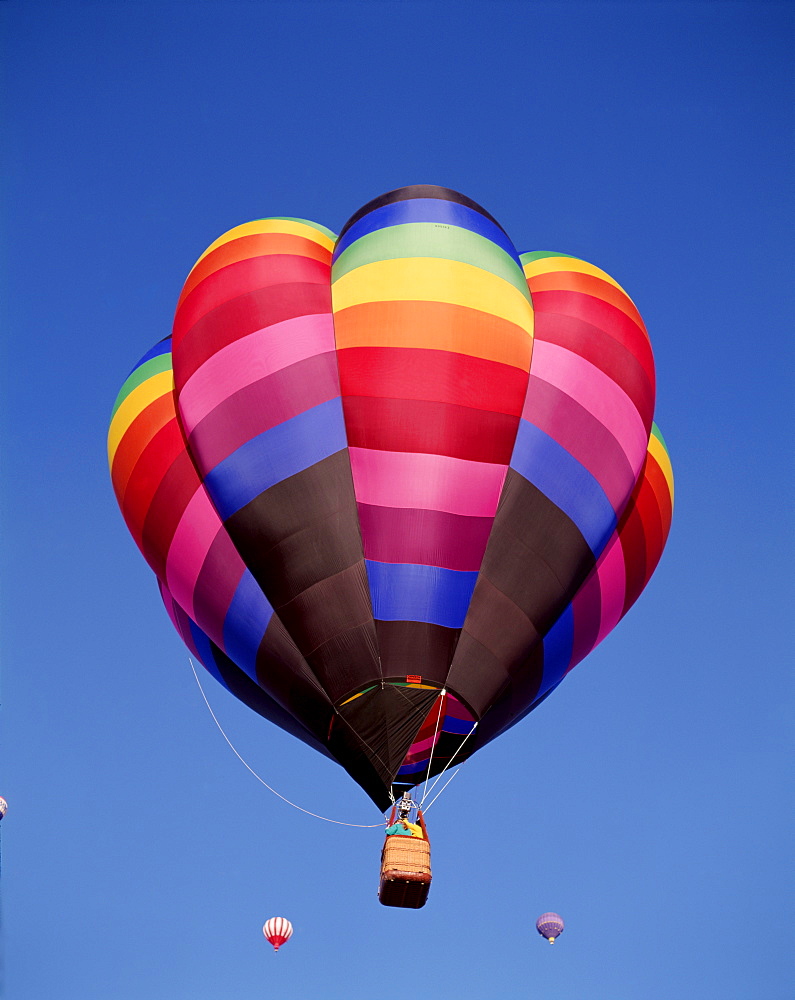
{"x":646,"y":801}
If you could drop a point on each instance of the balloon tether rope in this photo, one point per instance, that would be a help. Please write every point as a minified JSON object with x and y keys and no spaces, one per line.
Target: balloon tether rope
{"x":339,"y":822}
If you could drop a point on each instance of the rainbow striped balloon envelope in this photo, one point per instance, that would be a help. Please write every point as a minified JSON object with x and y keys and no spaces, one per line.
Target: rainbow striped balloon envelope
{"x":394,"y":484}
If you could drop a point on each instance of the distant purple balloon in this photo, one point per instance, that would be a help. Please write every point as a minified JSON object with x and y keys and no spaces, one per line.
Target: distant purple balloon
{"x":550,"y":926}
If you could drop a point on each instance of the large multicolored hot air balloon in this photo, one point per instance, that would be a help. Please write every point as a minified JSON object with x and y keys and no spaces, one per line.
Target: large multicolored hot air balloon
{"x":394,"y":484}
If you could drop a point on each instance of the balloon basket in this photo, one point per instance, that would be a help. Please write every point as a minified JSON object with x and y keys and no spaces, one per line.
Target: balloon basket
{"x":405,"y":872}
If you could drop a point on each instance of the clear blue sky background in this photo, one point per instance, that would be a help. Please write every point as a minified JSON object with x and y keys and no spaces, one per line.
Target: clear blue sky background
{"x":647,"y":800}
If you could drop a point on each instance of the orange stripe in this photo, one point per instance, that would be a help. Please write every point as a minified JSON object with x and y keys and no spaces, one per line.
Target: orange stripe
{"x":257,"y":245}
{"x":137,"y":436}
{"x":589,"y":284}
{"x":437,"y":325}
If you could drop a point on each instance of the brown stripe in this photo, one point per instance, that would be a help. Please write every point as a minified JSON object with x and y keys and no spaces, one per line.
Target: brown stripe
{"x":416,"y":648}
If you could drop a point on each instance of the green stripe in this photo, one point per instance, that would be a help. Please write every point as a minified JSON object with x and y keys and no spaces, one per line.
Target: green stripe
{"x":306,"y":222}
{"x":527,"y":258}
{"x":656,"y":432}
{"x":154,"y":366}
{"x":429,"y":239}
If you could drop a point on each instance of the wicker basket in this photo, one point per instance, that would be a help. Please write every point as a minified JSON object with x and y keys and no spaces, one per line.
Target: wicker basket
{"x":405,"y":872}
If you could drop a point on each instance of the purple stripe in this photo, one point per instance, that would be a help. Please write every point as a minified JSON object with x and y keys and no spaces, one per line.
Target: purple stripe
{"x":262,"y":405}
{"x":423,"y":537}
{"x":583,"y":436}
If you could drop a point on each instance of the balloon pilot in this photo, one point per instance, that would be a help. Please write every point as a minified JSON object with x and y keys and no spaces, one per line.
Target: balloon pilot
{"x":403,"y":827}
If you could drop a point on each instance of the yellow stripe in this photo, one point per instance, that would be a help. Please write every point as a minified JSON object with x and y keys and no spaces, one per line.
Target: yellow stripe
{"x":436,"y":280}
{"x":660,"y":455}
{"x":547,"y":265}
{"x":141,"y":396}
{"x":271,"y":226}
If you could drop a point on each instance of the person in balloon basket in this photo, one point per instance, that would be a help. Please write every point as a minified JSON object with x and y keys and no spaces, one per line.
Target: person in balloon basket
{"x":403,"y":828}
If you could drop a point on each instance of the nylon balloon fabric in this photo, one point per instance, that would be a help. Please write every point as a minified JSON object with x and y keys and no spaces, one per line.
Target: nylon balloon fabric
{"x":394,"y":484}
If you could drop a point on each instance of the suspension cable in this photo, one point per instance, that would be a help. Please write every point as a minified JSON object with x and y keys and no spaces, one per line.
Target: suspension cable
{"x":439,"y":776}
{"x":362,"y":826}
{"x":441,"y":695}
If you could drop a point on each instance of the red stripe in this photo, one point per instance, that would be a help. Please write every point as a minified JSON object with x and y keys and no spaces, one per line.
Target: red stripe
{"x":442,"y":376}
{"x":248,"y":247}
{"x":615,"y":360}
{"x":244,"y":315}
{"x":152,"y":465}
{"x":605,"y":316}
{"x":242,"y":277}
{"x":423,"y":427}
{"x":167,"y":506}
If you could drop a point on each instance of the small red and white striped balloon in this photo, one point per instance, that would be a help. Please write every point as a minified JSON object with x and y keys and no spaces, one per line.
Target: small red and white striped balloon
{"x":277,"y":930}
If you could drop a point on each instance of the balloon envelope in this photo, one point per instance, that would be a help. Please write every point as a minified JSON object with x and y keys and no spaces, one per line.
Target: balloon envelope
{"x":550,"y":926}
{"x":277,"y":930}
{"x":3,"y":807}
{"x":394,"y":484}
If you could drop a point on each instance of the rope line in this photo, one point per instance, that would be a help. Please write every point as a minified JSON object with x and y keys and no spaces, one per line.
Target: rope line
{"x":439,"y":776}
{"x":442,"y":693}
{"x":361,"y":826}
{"x":441,"y":789}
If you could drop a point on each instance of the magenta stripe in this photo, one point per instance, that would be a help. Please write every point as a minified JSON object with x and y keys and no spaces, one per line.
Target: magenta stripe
{"x":217,"y":584}
{"x":428,"y":482}
{"x":252,"y":358}
{"x":195,"y":533}
{"x":423,"y":537}
{"x":603,"y":590}
{"x":262,"y":405}
{"x":587,"y":606}
{"x":613,"y":581}
{"x":598,"y":393}
{"x":583,"y":436}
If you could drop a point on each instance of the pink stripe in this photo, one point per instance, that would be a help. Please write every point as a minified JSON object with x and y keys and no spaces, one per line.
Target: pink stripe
{"x":597,"y":392}
{"x":613,"y":581}
{"x":426,"y":482}
{"x":252,"y":358}
{"x":420,"y":749}
{"x":195,"y":533}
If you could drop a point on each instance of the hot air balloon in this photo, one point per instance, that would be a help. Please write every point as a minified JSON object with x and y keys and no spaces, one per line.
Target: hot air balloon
{"x":277,"y":930}
{"x":394,"y":484}
{"x":550,"y":926}
{"x":3,"y":807}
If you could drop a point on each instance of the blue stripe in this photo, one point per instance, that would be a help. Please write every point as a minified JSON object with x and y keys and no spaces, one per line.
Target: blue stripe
{"x":567,"y":483}
{"x":448,"y":213}
{"x":404,"y":592}
{"x":205,"y":651}
{"x":275,"y":455}
{"x":460,"y":726}
{"x":247,"y":618}
{"x":162,"y":347}
{"x":558,"y":649}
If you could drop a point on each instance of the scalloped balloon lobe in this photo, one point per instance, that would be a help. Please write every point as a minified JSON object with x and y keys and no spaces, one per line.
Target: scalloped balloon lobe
{"x":394,"y":484}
